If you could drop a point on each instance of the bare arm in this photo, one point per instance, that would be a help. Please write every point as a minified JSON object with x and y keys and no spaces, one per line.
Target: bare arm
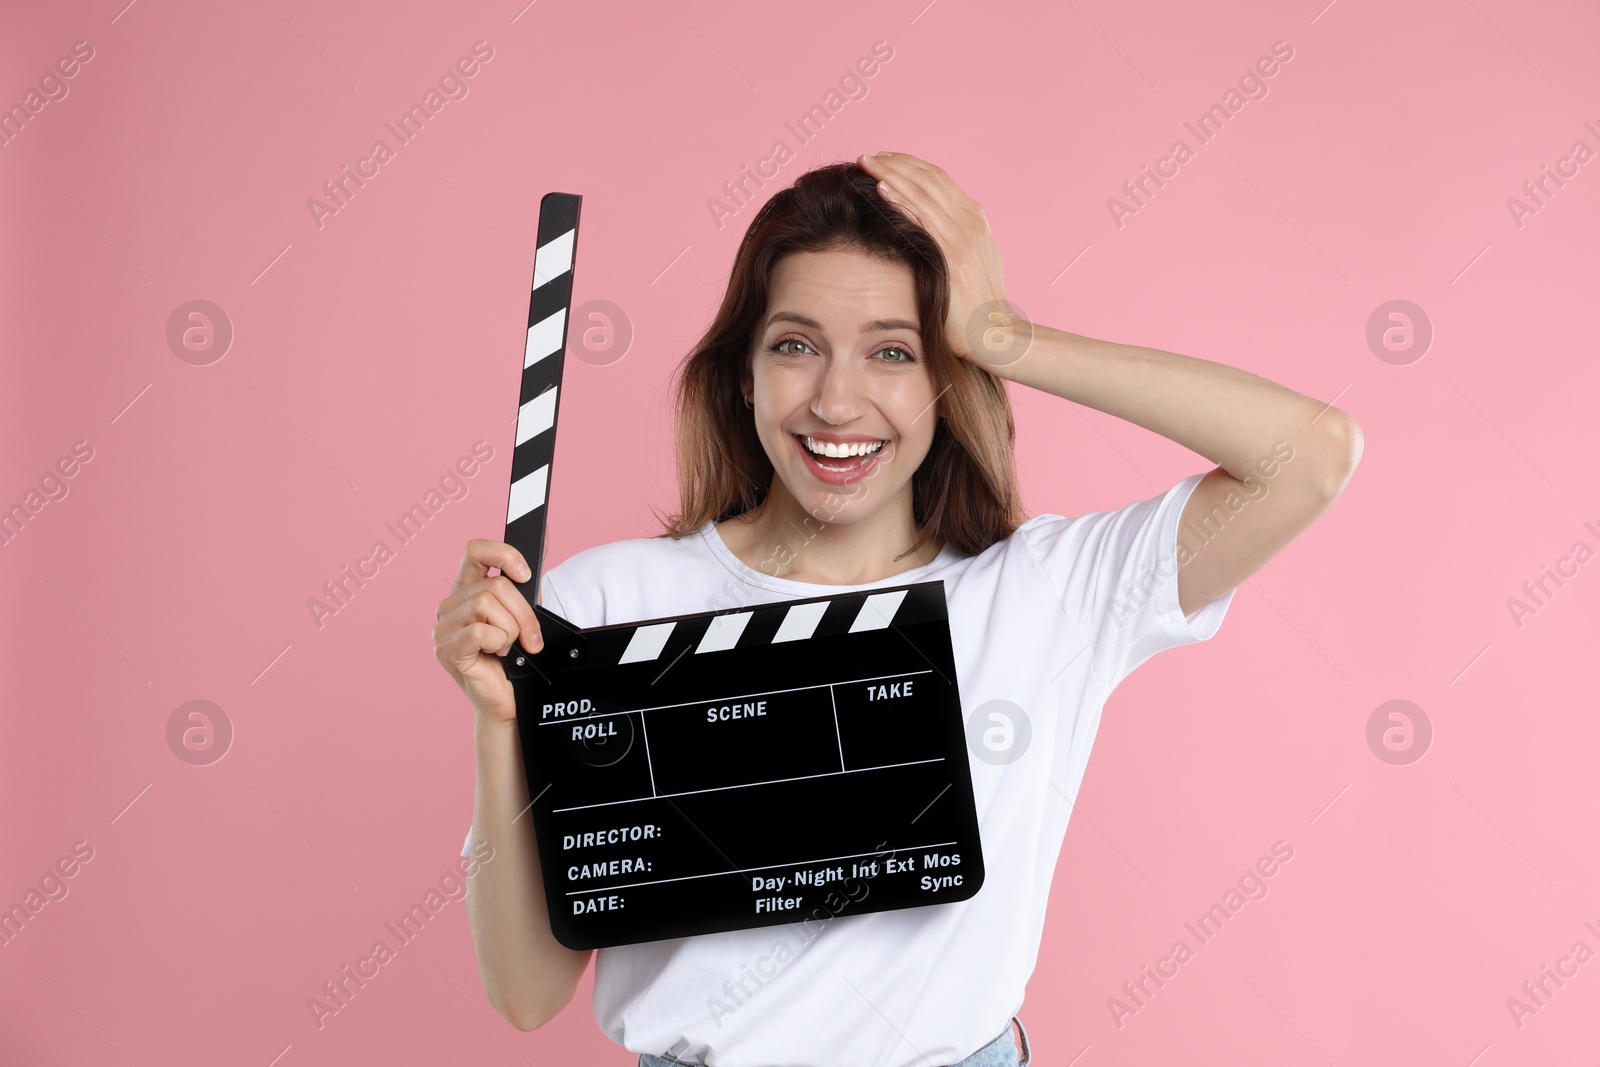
{"x":1282,"y":458}
{"x":528,"y":975}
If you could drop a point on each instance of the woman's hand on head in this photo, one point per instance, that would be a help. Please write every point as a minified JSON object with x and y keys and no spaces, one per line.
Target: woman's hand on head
{"x":982,"y":323}
{"x":480,"y":621}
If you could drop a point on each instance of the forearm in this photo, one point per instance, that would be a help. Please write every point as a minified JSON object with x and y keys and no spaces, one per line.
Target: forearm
{"x":1230,"y":416}
{"x":528,"y":975}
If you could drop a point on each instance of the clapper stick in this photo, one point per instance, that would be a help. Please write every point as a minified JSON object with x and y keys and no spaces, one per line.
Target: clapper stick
{"x":724,"y":770}
{"x":543,"y":360}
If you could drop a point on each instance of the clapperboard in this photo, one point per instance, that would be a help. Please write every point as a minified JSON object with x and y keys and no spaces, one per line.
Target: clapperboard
{"x":727,"y":770}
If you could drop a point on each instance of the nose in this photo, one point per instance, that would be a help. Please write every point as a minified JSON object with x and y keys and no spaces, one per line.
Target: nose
{"x":839,"y":397}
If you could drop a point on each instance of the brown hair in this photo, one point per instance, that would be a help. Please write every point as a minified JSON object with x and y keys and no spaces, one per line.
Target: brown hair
{"x":964,"y":493}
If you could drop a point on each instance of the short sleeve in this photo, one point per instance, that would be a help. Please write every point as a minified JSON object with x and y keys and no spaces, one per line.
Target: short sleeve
{"x":549,"y":599}
{"x":1116,"y":574}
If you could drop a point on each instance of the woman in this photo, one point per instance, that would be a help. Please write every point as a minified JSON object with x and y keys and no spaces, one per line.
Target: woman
{"x":844,"y":424}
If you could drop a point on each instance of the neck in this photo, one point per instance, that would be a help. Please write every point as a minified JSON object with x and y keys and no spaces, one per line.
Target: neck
{"x":782,"y":539}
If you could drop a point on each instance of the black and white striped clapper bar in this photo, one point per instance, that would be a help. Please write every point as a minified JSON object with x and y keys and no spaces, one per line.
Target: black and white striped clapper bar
{"x":781,"y":763}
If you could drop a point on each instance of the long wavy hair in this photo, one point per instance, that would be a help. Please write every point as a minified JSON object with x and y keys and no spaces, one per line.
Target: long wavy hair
{"x":964,"y":493}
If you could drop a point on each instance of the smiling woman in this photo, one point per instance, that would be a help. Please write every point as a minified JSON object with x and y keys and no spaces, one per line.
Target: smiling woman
{"x":843,"y":425}
{"x":821,"y":333}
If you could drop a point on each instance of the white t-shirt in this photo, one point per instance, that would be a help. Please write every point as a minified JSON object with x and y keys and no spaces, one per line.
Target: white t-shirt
{"x":1050,"y":619}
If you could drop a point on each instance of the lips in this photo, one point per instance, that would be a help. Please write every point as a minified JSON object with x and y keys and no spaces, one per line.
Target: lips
{"x":838,"y":470}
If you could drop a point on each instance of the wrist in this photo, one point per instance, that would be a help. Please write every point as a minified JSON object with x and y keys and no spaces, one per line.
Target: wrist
{"x":999,"y":336}
{"x":493,"y":732}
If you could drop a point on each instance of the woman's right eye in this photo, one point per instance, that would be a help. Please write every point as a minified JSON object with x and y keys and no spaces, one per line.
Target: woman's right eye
{"x":777,"y":346}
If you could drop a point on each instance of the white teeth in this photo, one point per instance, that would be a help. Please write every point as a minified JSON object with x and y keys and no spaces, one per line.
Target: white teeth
{"x":856,"y":448}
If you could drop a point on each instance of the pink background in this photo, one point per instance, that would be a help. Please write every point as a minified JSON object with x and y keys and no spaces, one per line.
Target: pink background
{"x":370,"y":354}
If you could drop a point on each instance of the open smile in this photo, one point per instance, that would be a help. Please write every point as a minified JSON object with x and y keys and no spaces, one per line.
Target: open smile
{"x":839,"y":463}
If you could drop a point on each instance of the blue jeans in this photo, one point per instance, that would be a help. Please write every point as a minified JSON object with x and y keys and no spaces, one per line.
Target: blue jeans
{"x":1003,"y":1051}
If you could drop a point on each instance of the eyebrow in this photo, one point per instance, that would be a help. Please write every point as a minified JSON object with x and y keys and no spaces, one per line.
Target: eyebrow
{"x":866,"y":327}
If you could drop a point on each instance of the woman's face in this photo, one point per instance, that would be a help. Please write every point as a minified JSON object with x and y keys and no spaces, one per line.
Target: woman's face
{"x":839,"y":360}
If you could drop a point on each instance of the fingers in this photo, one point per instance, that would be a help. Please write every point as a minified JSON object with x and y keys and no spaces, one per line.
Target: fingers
{"x":919,"y":182}
{"x":913,"y":201}
{"x":909,"y":162}
{"x":498,"y":602}
{"x":480,"y":555}
{"x":461,"y":648}
{"x":903,"y":205}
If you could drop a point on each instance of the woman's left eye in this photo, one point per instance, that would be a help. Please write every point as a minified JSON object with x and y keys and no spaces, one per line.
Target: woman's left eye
{"x":905,"y":352}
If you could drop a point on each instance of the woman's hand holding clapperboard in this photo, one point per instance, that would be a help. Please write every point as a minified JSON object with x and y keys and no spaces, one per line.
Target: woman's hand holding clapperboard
{"x":480,"y":621}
